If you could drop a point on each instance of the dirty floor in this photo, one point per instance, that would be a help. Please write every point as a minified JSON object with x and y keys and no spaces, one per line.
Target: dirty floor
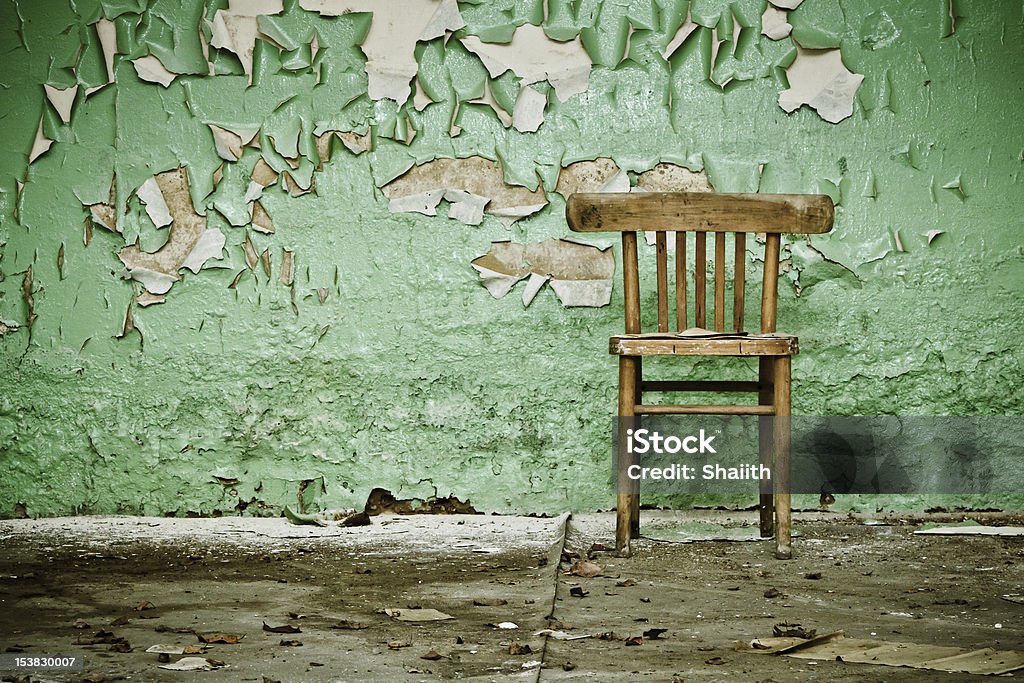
{"x":310,"y":603}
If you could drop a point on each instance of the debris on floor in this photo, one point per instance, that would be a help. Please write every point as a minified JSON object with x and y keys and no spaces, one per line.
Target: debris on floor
{"x":194,"y":664}
{"x":692,"y":532}
{"x":421,"y":597}
{"x":837,"y":647}
{"x":416,"y":614}
{"x":970,"y":529}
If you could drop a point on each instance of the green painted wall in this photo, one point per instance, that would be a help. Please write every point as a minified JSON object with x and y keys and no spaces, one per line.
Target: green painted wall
{"x":408,"y":374}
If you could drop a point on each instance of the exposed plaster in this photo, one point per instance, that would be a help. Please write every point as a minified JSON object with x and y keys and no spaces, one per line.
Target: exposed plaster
{"x":189,"y":245}
{"x":474,"y":185}
{"x":390,"y":44}
{"x":533,"y":57}
{"x":819,"y":79}
{"x":579,"y":274}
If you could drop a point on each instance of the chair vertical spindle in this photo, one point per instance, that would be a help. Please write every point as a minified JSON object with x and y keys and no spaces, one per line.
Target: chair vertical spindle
{"x":740,"y":280}
{"x":662,"y":248}
{"x":770,"y":284}
{"x":700,"y":279}
{"x":680,"y":281}
{"x":631,"y":280}
{"x":719,"y":282}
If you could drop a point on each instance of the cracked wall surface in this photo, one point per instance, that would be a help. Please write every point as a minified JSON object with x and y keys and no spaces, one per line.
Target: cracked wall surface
{"x":236,"y":236}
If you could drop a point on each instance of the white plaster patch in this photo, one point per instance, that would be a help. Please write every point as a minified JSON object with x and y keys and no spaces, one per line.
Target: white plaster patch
{"x":210,"y":245}
{"x":236,"y":33}
{"x":579,"y":274}
{"x":819,"y":79}
{"x":391,"y":42}
{"x":252,"y":8}
{"x":775,"y":23}
{"x":666,"y":177}
{"x":189,"y":244}
{"x":597,"y":175}
{"x":528,"y":114}
{"x":534,"y":57}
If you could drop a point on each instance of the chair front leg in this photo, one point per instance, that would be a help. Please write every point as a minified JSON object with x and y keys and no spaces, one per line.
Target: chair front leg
{"x":627,"y":508}
{"x":634,"y":526}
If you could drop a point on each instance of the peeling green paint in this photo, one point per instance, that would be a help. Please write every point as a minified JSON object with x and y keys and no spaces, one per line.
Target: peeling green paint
{"x":380,"y":361}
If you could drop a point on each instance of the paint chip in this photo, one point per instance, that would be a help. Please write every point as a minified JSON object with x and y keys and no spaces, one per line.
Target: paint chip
{"x":30,"y":302}
{"x":153,"y":199}
{"x":104,"y":215}
{"x":819,"y":79}
{"x":287,"y":267}
{"x":150,"y":299}
{"x":151,"y":69}
{"x":227,"y":143}
{"x":128,"y":321}
{"x":356,"y":143}
{"x":188,"y":244}
{"x":263,"y":175}
{"x":528,"y":114}
{"x":261,"y":219}
{"x":62,"y":100}
{"x":210,"y":245}
{"x":265,"y":260}
{"x":251,"y":257}
{"x":237,"y":34}
{"x":775,"y":23}
{"x":40,"y":145}
{"x":579,"y":274}
{"x":956,"y":187}
{"x":681,"y":34}
{"x":107,"y":32}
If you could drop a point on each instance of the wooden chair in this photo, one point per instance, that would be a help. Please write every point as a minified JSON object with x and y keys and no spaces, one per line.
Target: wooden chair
{"x":701,"y":213}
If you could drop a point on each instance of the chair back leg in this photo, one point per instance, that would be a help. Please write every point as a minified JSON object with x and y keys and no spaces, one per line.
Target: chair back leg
{"x":765,"y":445}
{"x":783,"y":506}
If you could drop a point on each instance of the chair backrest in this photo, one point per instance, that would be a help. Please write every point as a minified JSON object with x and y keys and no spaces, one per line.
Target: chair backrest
{"x":700,"y":213}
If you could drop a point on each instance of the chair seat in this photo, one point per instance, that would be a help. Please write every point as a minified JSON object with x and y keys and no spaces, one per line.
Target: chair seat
{"x":688,"y":343}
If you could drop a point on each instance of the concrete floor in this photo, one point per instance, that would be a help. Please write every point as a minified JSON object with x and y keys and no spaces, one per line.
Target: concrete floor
{"x":106,"y":589}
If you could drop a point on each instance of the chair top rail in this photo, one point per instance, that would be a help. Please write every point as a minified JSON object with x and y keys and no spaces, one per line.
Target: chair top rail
{"x":700,"y":212}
